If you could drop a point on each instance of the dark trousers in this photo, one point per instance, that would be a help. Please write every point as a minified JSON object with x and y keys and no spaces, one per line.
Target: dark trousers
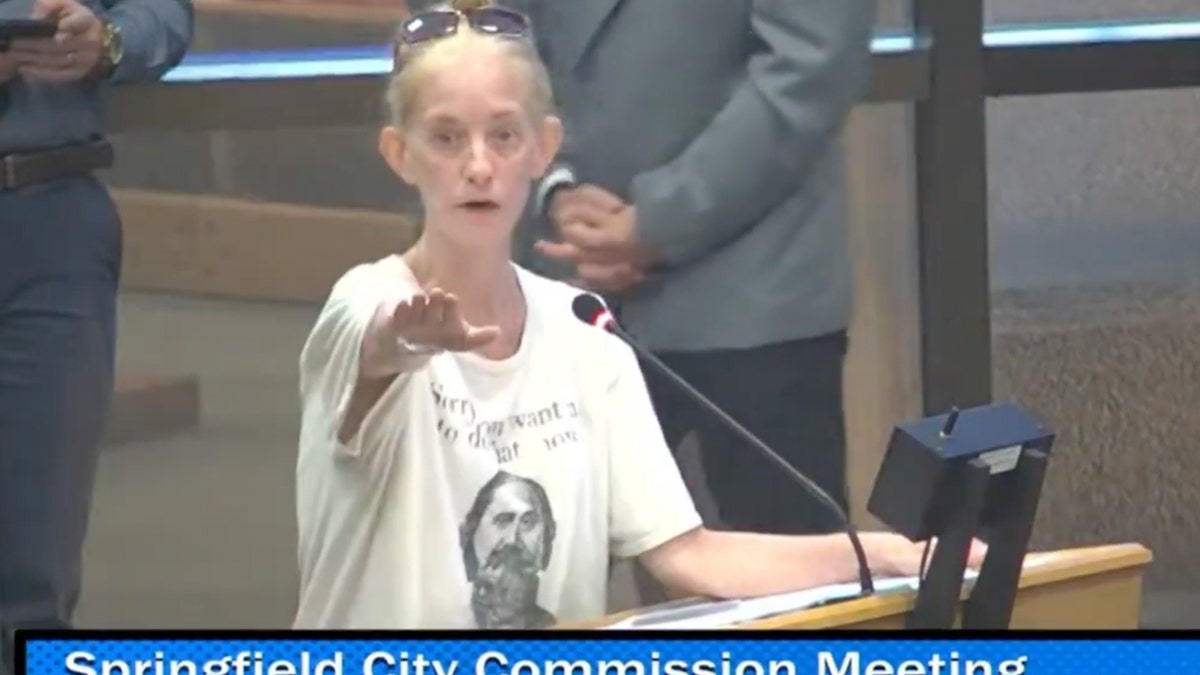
{"x":60,"y":256}
{"x":789,"y":395}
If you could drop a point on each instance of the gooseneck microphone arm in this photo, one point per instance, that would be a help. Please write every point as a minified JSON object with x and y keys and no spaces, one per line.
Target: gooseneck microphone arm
{"x":590,"y":310}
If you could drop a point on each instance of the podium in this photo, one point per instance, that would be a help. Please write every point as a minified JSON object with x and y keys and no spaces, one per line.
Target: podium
{"x":1097,"y":587}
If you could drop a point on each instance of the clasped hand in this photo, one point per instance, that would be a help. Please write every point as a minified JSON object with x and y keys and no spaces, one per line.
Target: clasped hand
{"x":597,"y":232}
{"x":70,"y":56}
{"x":434,"y":320}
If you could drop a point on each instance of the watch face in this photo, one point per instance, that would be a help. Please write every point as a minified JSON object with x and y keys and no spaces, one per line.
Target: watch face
{"x":114,"y":43}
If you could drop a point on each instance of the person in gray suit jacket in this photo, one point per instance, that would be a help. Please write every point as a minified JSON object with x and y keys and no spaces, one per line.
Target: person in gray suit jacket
{"x":701,"y":190}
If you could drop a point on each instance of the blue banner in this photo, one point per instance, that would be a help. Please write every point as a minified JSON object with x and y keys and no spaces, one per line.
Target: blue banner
{"x":610,"y":653}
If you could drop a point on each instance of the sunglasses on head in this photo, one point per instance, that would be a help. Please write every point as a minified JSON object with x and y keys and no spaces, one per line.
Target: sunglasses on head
{"x":440,"y":23}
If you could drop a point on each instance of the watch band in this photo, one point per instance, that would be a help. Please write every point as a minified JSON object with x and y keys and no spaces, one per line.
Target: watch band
{"x":110,"y":49}
{"x":559,"y":177}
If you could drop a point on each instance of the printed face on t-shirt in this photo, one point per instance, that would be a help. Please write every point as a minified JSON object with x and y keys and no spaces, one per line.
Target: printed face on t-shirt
{"x":513,"y":527}
{"x":509,"y":545}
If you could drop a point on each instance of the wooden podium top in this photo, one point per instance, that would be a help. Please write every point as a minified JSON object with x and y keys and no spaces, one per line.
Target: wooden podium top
{"x":1093,"y":587}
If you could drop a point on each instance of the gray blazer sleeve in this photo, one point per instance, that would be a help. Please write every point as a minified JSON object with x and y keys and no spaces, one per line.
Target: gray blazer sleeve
{"x":757,"y":150}
{"x":155,"y":35}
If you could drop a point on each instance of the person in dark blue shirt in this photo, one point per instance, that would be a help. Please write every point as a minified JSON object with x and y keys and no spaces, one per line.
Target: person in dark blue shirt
{"x":60,"y":261}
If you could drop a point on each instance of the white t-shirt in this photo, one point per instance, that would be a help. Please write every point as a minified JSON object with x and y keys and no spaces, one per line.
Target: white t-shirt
{"x":477,"y":493}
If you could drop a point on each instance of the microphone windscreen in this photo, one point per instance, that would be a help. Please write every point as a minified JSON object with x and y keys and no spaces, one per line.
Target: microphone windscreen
{"x":587,"y":307}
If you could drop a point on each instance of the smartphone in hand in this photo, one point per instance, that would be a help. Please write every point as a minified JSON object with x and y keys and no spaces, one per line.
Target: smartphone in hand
{"x":18,"y":29}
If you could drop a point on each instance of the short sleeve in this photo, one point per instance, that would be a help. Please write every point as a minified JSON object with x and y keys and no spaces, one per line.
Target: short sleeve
{"x":329,"y":361}
{"x":649,"y":504}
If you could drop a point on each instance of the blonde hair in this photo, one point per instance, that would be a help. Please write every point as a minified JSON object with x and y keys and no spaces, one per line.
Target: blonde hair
{"x":415,"y":63}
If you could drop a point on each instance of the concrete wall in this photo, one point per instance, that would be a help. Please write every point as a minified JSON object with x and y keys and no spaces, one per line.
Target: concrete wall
{"x":1096,"y":267}
{"x":1116,"y":370}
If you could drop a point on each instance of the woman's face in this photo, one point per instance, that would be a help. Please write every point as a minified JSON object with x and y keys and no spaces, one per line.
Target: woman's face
{"x":472,"y":147}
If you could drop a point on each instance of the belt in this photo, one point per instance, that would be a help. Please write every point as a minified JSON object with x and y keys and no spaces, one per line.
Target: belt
{"x":23,"y":169}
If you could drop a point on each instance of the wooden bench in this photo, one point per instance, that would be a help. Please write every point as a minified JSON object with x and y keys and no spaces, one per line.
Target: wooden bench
{"x":148,"y":407}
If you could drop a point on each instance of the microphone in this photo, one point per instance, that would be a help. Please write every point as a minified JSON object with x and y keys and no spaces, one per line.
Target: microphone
{"x":590,"y":310}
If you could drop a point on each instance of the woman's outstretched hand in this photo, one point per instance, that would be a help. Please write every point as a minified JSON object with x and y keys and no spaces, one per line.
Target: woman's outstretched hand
{"x":433,"y":319}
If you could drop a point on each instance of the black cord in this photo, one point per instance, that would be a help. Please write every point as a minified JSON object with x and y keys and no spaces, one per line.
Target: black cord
{"x":866,"y":582}
{"x":924,"y":560}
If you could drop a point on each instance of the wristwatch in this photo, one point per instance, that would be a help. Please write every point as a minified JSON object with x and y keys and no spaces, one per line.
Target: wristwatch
{"x":111,"y":49}
{"x":561,"y":176}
